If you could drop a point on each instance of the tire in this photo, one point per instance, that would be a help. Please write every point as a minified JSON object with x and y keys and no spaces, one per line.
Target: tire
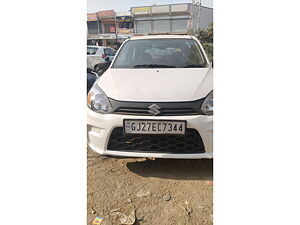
{"x":96,"y":68}
{"x":99,"y":70}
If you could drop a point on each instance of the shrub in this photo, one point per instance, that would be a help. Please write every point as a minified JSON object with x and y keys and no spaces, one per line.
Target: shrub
{"x":205,"y":36}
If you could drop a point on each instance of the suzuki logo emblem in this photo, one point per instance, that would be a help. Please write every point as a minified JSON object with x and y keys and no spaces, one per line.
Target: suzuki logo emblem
{"x":154,"y":109}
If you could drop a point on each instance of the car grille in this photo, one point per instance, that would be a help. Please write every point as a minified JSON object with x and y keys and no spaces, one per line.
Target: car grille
{"x":189,"y":143}
{"x":164,"y":112}
{"x":165,"y":108}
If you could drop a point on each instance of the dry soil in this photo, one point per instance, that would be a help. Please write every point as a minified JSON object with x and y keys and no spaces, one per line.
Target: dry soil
{"x":158,"y":192}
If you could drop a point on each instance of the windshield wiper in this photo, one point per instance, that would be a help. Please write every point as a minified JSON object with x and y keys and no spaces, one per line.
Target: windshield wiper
{"x":153,"y":66}
{"x":194,"y":66}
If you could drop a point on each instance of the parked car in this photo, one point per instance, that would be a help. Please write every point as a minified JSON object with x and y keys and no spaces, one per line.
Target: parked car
{"x":97,"y":55}
{"x":155,"y":100}
{"x":91,"y":78}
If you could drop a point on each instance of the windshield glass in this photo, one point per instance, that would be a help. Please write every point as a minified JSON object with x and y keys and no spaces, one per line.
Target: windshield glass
{"x":160,"y":53}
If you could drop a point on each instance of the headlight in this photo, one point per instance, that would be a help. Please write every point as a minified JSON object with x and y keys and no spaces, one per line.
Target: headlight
{"x":98,"y":101}
{"x":208,"y":104}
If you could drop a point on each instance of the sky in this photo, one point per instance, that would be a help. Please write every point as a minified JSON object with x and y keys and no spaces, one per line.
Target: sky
{"x":124,"y":5}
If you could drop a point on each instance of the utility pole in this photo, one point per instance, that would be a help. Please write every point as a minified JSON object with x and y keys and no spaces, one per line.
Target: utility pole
{"x":199,"y":12}
{"x":193,"y":16}
{"x":116,"y":33}
{"x":98,"y":25}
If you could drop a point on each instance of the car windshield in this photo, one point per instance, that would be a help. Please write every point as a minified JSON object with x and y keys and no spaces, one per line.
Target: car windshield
{"x":160,"y":53}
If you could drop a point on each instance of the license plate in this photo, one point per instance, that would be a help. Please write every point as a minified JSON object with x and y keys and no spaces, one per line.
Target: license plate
{"x":154,"y":126}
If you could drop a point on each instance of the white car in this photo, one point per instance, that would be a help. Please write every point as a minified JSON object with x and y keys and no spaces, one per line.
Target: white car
{"x":155,"y":100}
{"x":97,"y":55}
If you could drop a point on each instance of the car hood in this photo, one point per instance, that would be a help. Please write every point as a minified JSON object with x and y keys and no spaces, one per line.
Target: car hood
{"x":156,"y":85}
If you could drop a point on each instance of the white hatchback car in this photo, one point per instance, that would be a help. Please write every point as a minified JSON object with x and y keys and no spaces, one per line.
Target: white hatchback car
{"x":155,"y":100}
{"x":97,"y":55}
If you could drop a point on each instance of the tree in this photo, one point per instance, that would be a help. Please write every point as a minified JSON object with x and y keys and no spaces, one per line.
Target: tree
{"x":205,"y":36}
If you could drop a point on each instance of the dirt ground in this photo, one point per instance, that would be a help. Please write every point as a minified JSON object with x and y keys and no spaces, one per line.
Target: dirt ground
{"x":151,"y":192}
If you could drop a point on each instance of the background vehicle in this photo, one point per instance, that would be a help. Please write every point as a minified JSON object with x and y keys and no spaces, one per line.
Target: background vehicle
{"x":98,"y":54}
{"x":91,"y":78}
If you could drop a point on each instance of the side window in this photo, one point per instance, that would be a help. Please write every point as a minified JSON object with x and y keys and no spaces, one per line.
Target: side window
{"x":109,"y":51}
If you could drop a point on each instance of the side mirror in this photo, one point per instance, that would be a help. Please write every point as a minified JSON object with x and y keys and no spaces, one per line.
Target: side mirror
{"x":107,"y":59}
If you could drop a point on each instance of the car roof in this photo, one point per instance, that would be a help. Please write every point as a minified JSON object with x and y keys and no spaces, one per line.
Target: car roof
{"x":161,"y":36}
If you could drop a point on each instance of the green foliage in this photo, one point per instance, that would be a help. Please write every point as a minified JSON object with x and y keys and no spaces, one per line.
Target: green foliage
{"x":205,"y":36}
{"x":209,"y":49}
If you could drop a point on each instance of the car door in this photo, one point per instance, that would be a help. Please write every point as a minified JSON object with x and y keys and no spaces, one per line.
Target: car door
{"x":94,"y":57}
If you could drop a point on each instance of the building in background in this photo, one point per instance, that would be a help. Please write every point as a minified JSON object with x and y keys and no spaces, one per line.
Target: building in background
{"x":124,"y":22}
{"x":109,"y":28}
{"x":161,"y":19}
{"x":93,"y":24}
{"x":101,"y":30}
{"x":172,"y":18}
{"x":205,"y":17}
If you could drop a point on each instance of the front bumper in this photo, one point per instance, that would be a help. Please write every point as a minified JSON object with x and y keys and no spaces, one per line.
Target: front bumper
{"x":100,"y":127}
